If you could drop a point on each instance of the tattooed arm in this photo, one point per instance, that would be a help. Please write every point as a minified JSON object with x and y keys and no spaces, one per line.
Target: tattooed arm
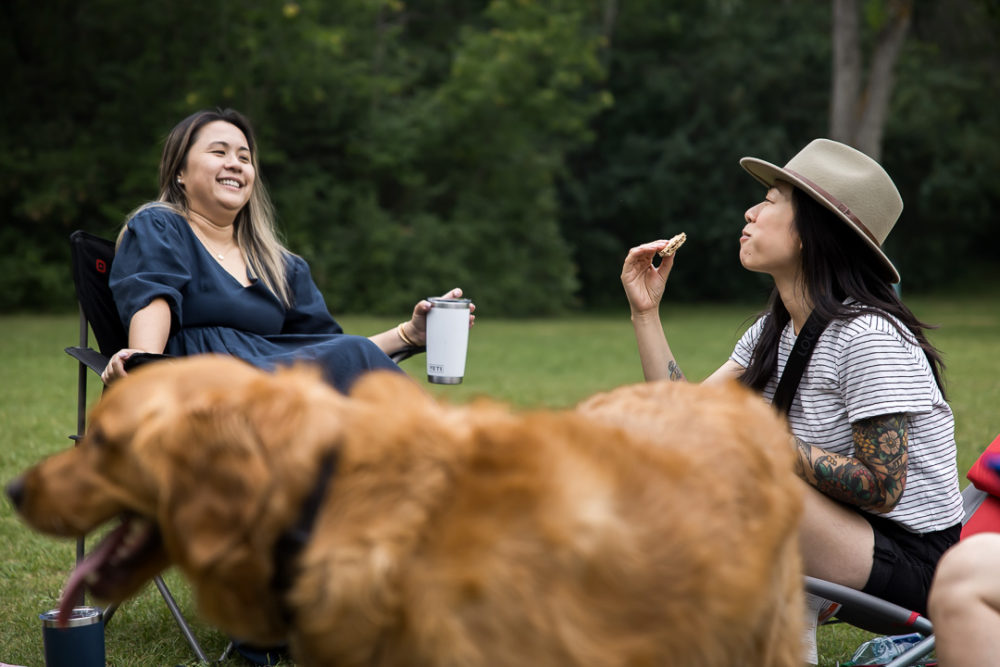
{"x":874,"y":478}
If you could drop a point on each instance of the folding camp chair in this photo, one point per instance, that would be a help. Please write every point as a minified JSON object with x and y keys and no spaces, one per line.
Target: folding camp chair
{"x":982,"y":512}
{"x":92,"y":258}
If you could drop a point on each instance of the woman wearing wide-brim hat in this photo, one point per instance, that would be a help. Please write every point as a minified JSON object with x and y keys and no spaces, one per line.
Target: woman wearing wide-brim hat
{"x":874,"y":435}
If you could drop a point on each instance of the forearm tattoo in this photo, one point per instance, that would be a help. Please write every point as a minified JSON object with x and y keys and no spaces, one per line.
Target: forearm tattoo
{"x":674,"y":371}
{"x":872,"y":479}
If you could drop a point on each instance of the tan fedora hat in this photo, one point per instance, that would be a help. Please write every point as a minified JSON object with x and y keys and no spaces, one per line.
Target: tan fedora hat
{"x":846,"y":181}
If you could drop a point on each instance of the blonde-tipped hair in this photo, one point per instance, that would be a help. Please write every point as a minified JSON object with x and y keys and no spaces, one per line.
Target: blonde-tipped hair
{"x":255,"y":228}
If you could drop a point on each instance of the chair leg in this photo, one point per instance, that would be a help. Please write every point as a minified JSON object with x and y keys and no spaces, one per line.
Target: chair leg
{"x":175,"y":611}
{"x":108,"y":613}
{"x":181,"y":623}
{"x":80,"y":552}
{"x":227,"y":652}
{"x":81,"y":425}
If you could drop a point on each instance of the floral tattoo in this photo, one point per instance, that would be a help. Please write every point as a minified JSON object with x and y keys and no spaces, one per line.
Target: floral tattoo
{"x":872,"y":479}
{"x":674,"y":371}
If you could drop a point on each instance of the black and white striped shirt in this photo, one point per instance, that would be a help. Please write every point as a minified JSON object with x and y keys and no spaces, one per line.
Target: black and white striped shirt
{"x":861,"y":368}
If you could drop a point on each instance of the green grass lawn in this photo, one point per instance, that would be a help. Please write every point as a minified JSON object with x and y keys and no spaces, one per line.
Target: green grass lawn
{"x":528,"y":363}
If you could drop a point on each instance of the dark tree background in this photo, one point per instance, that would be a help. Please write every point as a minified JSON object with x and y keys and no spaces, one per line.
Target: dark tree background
{"x":515,"y":147}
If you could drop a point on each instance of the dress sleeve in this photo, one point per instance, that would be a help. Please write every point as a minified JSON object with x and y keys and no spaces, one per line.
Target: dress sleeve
{"x":308,"y":313}
{"x":151,"y":262}
{"x":882,"y":373}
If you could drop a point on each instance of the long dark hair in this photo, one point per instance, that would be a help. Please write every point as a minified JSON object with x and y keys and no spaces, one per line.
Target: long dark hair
{"x":836,"y":264}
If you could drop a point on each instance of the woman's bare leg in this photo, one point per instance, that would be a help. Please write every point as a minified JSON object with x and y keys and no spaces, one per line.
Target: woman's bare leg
{"x":965,"y":602}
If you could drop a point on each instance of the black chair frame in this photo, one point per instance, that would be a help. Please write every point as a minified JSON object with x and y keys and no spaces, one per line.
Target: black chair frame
{"x":92,"y":258}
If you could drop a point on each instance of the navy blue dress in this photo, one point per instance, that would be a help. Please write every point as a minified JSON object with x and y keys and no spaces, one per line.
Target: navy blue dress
{"x":160,"y":257}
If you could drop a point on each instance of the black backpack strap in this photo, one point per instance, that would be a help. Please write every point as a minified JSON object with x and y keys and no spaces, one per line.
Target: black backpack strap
{"x":798,"y":359}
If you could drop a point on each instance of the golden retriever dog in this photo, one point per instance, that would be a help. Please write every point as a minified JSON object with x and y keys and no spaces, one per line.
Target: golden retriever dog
{"x":653,"y":525}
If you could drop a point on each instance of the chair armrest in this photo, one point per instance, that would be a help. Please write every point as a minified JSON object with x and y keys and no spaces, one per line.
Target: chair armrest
{"x":407,"y":352}
{"x":869,"y":612}
{"x":140,"y":358}
{"x":97,"y":362}
{"x":90,"y":358}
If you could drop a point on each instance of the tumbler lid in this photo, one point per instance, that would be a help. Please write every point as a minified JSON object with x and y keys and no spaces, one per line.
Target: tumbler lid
{"x":450,"y":303}
{"x":78,"y":617}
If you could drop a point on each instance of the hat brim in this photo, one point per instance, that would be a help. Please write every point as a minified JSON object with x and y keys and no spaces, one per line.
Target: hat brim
{"x":766,"y":174}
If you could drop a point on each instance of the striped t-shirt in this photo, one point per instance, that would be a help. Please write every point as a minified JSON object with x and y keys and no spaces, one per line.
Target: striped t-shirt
{"x":861,"y":368}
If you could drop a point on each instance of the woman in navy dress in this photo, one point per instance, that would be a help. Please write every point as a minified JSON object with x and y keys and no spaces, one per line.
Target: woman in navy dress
{"x":201,"y":269}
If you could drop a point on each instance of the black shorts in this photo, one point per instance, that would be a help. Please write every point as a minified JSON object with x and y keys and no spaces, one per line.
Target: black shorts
{"x":903,"y":563}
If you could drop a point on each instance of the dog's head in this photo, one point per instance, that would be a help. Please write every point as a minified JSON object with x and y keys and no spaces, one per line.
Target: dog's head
{"x":205,"y":460}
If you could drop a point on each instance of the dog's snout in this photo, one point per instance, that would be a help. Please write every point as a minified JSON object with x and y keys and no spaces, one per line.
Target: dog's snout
{"x":15,"y":491}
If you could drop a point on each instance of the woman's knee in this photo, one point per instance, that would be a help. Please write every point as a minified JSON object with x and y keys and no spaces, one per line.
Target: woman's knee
{"x":974,"y":557}
{"x":371,"y":354}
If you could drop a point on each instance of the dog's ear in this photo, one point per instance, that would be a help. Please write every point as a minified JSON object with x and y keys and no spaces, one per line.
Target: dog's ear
{"x":294,"y":413}
{"x":213,"y":483}
{"x":238,"y":459}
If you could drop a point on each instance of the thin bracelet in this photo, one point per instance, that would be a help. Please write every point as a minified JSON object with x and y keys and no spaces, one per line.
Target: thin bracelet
{"x":404,"y":337}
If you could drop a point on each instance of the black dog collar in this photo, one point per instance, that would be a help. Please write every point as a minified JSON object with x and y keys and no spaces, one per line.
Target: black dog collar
{"x":291,"y":542}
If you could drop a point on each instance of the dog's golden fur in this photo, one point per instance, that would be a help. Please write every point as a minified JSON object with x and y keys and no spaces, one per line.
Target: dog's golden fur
{"x":655,"y":524}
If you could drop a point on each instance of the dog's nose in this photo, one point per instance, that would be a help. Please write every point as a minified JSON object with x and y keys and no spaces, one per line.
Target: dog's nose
{"x":15,"y":491}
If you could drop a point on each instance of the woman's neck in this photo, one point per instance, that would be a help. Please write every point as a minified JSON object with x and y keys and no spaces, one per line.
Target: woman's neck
{"x":215,"y":232}
{"x":796,"y":301}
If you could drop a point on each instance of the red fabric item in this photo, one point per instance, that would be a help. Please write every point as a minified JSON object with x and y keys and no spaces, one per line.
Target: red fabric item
{"x":981,"y":475}
{"x":987,"y":517}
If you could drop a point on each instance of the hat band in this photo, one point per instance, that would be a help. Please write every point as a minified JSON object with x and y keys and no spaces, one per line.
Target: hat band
{"x":839,"y":205}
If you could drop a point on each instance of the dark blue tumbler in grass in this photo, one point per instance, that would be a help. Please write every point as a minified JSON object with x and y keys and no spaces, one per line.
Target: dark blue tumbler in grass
{"x":79,"y":642}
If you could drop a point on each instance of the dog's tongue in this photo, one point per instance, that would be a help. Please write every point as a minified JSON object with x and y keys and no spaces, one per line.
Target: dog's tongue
{"x":77,"y":580}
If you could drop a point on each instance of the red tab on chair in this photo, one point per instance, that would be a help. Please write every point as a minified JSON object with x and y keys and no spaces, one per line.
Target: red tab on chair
{"x":985,"y":478}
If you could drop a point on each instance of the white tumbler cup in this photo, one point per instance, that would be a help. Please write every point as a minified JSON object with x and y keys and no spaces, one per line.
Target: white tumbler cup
{"x":447,"y":340}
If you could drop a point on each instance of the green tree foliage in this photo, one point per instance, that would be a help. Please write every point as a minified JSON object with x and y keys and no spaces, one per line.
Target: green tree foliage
{"x":84,"y":108}
{"x":515,"y":147}
{"x":696,"y":87}
{"x":408,"y":149}
{"x":943,"y":144}
{"x":700,"y":84}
